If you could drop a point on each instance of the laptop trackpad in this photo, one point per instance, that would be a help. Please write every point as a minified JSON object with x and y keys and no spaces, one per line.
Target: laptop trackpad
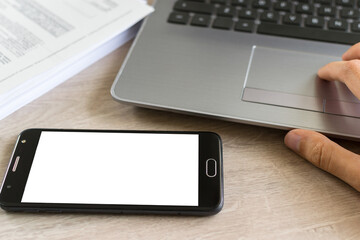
{"x":288,"y":79}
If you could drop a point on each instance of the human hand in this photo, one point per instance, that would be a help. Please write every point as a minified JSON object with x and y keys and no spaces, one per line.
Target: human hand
{"x":318,"y":149}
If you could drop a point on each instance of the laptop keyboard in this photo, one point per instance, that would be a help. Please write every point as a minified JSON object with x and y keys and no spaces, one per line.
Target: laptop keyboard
{"x":334,"y":21}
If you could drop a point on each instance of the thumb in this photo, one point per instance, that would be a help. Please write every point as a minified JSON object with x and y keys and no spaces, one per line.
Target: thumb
{"x":325,"y":154}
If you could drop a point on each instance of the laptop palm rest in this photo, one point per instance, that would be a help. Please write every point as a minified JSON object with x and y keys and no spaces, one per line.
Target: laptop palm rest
{"x":288,"y":79}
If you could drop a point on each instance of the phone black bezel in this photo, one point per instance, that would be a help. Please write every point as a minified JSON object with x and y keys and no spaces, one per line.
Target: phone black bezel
{"x":210,"y":188}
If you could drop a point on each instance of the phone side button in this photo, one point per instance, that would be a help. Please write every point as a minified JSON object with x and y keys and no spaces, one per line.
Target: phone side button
{"x":211,"y":167}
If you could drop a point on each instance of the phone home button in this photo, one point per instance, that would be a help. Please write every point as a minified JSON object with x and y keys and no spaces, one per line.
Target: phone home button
{"x":211,"y":167}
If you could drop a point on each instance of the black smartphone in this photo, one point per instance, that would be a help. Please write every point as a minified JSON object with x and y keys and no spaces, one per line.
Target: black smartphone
{"x":56,"y":170}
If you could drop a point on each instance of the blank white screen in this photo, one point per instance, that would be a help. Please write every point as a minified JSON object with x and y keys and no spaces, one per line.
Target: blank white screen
{"x":114,"y":168}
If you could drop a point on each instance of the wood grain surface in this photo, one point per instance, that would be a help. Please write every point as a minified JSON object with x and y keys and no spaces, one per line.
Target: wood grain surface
{"x":270,"y":192}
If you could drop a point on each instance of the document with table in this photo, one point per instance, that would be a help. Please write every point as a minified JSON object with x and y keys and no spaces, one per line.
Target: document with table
{"x":43,"y":43}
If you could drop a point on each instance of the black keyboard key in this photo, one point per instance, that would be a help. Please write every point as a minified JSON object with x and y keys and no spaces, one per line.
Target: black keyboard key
{"x":242,"y":3}
{"x":349,"y":13}
{"x":327,"y":11}
{"x":247,"y":13}
{"x":179,"y":18}
{"x":282,"y":6}
{"x":347,"y":3}
{"x":292,"y":19}
{"x":244,"y":25}
{"x":226,"y":11}
{"x":223,"y":23}
{"x":263,"y":4}
{"x":269,"y":16}
{"x":337,"y":24}
{"x":309,"y":33}
{"x":195,"y":7}
{"x":317,"y":22}
{"x":305,"y":8}
{"x":355,"y":27}
{"x":200,"y":20}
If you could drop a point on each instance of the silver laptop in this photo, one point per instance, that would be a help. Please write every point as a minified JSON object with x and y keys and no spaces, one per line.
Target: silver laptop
{"x":248,"y":61}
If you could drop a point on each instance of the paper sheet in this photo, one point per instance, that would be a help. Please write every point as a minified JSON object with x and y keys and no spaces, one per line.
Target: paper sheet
{"x":42,"y":36}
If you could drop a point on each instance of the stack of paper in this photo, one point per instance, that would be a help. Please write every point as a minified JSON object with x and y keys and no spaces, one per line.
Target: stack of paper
{"x":43,"y":43}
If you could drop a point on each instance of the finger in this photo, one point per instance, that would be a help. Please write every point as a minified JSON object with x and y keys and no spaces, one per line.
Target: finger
{"x":331,"y":71}
{"x":325,"y":154}
{"x":347,"y":72}
{"x":352,"y":53}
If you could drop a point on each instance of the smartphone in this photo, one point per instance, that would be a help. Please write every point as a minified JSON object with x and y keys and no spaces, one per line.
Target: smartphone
{"x":109,"y":171}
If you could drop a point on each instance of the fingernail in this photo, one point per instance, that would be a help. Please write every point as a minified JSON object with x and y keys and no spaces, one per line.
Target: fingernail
{"x":292,"y":141}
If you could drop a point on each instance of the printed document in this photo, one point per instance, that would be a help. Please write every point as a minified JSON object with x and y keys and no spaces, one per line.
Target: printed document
{"x":41,"y":39}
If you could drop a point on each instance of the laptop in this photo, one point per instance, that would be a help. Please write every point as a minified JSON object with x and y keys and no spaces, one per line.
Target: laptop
{"x":247,"y":61}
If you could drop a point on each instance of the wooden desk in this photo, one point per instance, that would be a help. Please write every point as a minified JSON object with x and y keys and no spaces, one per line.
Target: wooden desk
{"x":270,"y":193}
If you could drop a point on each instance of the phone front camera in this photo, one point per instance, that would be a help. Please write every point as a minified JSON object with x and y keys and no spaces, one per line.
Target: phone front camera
{"x":8,"y":186}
